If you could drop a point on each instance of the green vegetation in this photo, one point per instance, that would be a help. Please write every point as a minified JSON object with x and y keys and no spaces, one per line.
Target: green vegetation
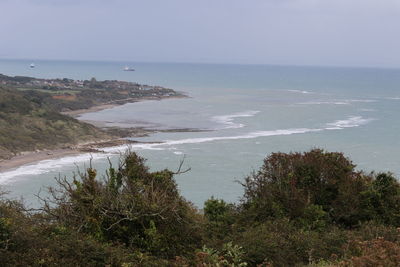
{"x":299,"y":209}
{"x":30,"y":117}
{"x":28,"y":123}
{"x":67,"y":94}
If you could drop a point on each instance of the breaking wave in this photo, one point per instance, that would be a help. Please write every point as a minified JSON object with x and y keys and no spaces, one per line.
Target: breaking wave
{"x":300,"y":91}
{"x":351,"y":122}
{"x":227,"y":120}
{"x":338,"y":102}
{"x":46,"y":165}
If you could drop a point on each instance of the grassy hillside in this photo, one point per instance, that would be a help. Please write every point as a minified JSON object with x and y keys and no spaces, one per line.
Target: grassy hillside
{"x":67,"y":94}
{"x":26,"y":123}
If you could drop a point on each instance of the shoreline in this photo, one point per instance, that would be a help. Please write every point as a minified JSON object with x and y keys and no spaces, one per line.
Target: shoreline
{"x":31,"y":157}
{"x":77,"y":112}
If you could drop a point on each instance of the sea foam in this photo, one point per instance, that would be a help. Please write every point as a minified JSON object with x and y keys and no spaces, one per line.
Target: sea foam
{"x":324,"y":103}
{"x":338,"y":102}
{"x":55,"y":164}
{"x":353,"y":121}
{"x":228,"y":120}
{"x":300,"y":91}
{"x":45,"y":166}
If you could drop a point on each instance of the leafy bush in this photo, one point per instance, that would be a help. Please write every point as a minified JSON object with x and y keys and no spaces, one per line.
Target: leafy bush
{"x":281,"y":243}
{"x":319,"y":184}
{"x":378,"y":252}
{"x":291,"y":215}
{"x":220,"y":216}
{"x":133,"y":206}
{"x":26,"y":240}
{"x":381,"y":201}
{"x":230,"y":256}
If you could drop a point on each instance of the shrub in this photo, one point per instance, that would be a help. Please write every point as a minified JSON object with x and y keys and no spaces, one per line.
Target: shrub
{"x":26,"y":240}
{"x":133,"y":206}
{"x":220,"y":216}
{"x":378,"y":252}
{"x":381,"y":201}
{"x":231,"y":255}
{"x":290,"y":185}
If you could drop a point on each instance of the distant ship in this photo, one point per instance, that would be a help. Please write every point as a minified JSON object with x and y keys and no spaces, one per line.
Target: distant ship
{"x":32,"y":66}
{"x":128,"y":69}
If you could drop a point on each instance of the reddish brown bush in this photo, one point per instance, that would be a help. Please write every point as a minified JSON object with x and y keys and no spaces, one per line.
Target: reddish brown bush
{"x":375,"y":253}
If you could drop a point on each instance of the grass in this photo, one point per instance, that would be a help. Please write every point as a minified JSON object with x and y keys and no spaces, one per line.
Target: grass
{"x":28,"y":123}
{"x":57,"y":92}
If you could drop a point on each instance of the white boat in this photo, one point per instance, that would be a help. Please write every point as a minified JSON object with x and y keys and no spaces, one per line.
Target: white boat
{"x":128,"y":69}
{"x":32,"y":66}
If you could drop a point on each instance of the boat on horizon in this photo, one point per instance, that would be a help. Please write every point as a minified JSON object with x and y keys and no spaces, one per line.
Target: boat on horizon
{"x":128,"y":69}
{"x":32,"y":66}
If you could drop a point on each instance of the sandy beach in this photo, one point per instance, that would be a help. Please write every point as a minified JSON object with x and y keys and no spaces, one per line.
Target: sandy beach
{"x":76,"y":113}
{"x":36,"y":156}
{"x":33,"y":156}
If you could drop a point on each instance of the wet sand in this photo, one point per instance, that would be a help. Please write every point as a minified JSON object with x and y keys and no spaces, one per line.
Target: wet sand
{"x":36,"y":156}
{"x":32,"y":157}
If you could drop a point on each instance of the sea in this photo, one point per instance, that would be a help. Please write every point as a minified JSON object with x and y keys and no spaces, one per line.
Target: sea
{"x":244,"y":112}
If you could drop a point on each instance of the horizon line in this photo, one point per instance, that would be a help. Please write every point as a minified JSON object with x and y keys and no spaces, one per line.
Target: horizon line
{"x":206,"y":63}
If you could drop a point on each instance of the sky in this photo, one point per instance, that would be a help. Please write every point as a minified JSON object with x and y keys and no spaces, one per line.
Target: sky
{"x":285,"y":32}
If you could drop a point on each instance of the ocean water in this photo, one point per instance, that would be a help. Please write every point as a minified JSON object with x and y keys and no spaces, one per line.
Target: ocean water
{"x":245,"y":111}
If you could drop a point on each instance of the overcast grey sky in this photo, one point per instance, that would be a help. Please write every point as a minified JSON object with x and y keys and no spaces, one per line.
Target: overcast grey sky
{"x":301,"y":32}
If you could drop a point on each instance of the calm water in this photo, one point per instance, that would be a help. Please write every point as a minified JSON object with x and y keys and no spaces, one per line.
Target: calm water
{"x":249,"y":112}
